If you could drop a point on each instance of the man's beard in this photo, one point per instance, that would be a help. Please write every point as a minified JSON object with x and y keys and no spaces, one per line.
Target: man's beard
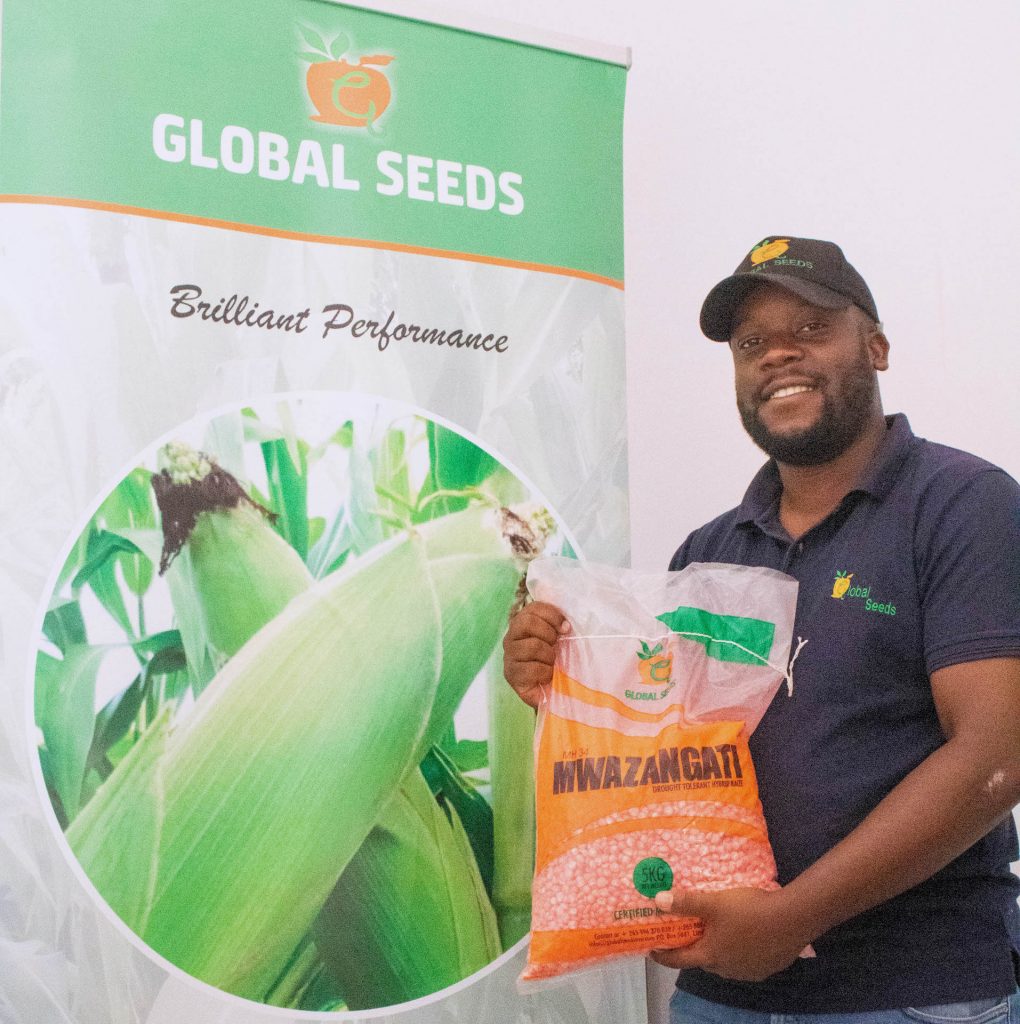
{"x":842,"y":421}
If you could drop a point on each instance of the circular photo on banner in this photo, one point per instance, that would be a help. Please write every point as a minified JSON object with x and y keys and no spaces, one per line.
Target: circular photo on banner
{"x":270,"y":710}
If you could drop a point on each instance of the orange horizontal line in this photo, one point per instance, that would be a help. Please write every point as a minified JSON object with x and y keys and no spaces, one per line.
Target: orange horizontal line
{"x":301,"y":236}
{"x":579,"y":691}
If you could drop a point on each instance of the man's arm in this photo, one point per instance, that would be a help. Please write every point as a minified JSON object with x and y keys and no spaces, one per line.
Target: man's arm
{"x":952,"y":799}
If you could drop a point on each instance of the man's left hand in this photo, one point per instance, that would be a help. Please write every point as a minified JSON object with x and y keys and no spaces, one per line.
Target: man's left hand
{"x":745,"y":938}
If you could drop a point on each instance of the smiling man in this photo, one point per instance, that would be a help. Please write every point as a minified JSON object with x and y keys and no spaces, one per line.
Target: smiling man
{"x":887,"y":778}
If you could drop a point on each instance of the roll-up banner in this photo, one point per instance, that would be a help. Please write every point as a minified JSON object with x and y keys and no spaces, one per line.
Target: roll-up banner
{"x":311,"y":337}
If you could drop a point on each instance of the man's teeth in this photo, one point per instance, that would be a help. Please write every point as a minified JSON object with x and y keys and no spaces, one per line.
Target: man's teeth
{"x":795,"y":390}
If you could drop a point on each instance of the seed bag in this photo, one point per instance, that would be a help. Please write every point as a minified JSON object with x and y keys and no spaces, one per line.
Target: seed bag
{"x":644,"y":781}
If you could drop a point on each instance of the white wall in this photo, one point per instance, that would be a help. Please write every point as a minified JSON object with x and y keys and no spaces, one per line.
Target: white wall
{"x":888,"y":127}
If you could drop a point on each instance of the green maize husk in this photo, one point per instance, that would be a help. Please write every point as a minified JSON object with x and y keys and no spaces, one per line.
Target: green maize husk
{"x":526,"y":530}
{"x":250,"y":844}
{"x":365,"y":950}
{"x":264,"y":801}
{"x":129,"y":807}
{"x":252,"y":587}
{"x":410,"y":914}
{"x":512,"y":767}
{"x":242,"y":572}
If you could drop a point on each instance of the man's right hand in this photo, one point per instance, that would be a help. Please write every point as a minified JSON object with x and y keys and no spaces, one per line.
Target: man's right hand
{"x":529,"y":649}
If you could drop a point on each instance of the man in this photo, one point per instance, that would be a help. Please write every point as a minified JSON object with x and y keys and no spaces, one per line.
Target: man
{"x":887,"y":778}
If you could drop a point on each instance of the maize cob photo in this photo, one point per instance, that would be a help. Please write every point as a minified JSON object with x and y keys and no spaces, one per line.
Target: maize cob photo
{"x":253,"y":804}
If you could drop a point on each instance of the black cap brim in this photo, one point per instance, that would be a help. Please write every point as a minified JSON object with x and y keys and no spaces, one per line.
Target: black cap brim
{"x":718,"y":309}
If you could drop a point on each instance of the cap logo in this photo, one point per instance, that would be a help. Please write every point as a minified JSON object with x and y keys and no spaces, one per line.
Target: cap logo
{"x":769,"y":249}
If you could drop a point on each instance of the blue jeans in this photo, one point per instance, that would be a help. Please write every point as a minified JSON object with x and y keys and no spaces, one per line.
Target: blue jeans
{"x":688,"y":1009}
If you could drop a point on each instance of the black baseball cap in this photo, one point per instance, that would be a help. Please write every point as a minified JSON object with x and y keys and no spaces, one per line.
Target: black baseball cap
{"x":813,"y":270}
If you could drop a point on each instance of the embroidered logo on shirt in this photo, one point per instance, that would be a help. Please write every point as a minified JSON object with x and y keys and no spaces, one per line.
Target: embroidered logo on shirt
{"x":841,"y":584}
{"x":841,"y":589}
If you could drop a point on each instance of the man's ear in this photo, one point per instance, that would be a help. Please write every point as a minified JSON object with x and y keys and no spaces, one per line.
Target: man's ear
{"x":878,"y":346}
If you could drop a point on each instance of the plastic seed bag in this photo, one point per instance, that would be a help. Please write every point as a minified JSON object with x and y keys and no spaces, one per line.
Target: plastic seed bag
{"x":644,"y":780}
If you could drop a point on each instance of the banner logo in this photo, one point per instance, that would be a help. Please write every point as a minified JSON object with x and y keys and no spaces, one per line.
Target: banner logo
{"x":353,"y":95}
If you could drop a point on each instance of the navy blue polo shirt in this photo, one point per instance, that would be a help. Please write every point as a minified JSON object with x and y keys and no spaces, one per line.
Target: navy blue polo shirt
{"x":917,"y":569}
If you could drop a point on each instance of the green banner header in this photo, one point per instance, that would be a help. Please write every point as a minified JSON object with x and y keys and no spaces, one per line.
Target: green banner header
{"x":317,"y":119}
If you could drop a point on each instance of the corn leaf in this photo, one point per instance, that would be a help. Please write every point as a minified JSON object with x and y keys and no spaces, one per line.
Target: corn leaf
{"x":168,"y":664}
{"x":64,"y":625}
{"x":154,"y":643}
{"x":455,"y":464}
{"x":467,"y":755}
{"x":148,"y":540}
{"x":113,"y":722}
{"x":130,"y":506}
{"x":504,"y":487}
{"x":64,"y":698}
{"x":100,"y":573}
{"x":330,"y":551}
{"x":224,"y":441}
{"x":258,"y":430}
{"x":288,"y":490}
{"x":363,"y":504}
{"x":316,"y":528}
{"x":344,"y":437}
{"x":392,"y":480}
{"x":74,"y":561}
{"x":173,"y":686}
{"x":456,"y":461}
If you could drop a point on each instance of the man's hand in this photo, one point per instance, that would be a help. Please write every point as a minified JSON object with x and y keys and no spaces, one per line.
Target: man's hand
{"x":747,"y":933}
{"x":529,"y":649}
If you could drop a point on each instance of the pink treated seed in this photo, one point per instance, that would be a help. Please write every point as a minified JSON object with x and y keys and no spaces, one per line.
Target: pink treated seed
{"x":590,"y":885}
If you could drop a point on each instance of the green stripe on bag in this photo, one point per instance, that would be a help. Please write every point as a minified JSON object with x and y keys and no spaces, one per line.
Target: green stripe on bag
{"x":756,"y":635}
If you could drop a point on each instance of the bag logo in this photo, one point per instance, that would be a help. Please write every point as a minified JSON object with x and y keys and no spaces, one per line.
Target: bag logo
{"x":769,"y":249}
{"x":655,"y":669}
{"x":654,"y":666}
{"x":353,"y":95}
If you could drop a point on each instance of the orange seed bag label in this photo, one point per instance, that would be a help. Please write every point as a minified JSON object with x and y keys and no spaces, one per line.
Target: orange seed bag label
{"x":631,"y":802}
